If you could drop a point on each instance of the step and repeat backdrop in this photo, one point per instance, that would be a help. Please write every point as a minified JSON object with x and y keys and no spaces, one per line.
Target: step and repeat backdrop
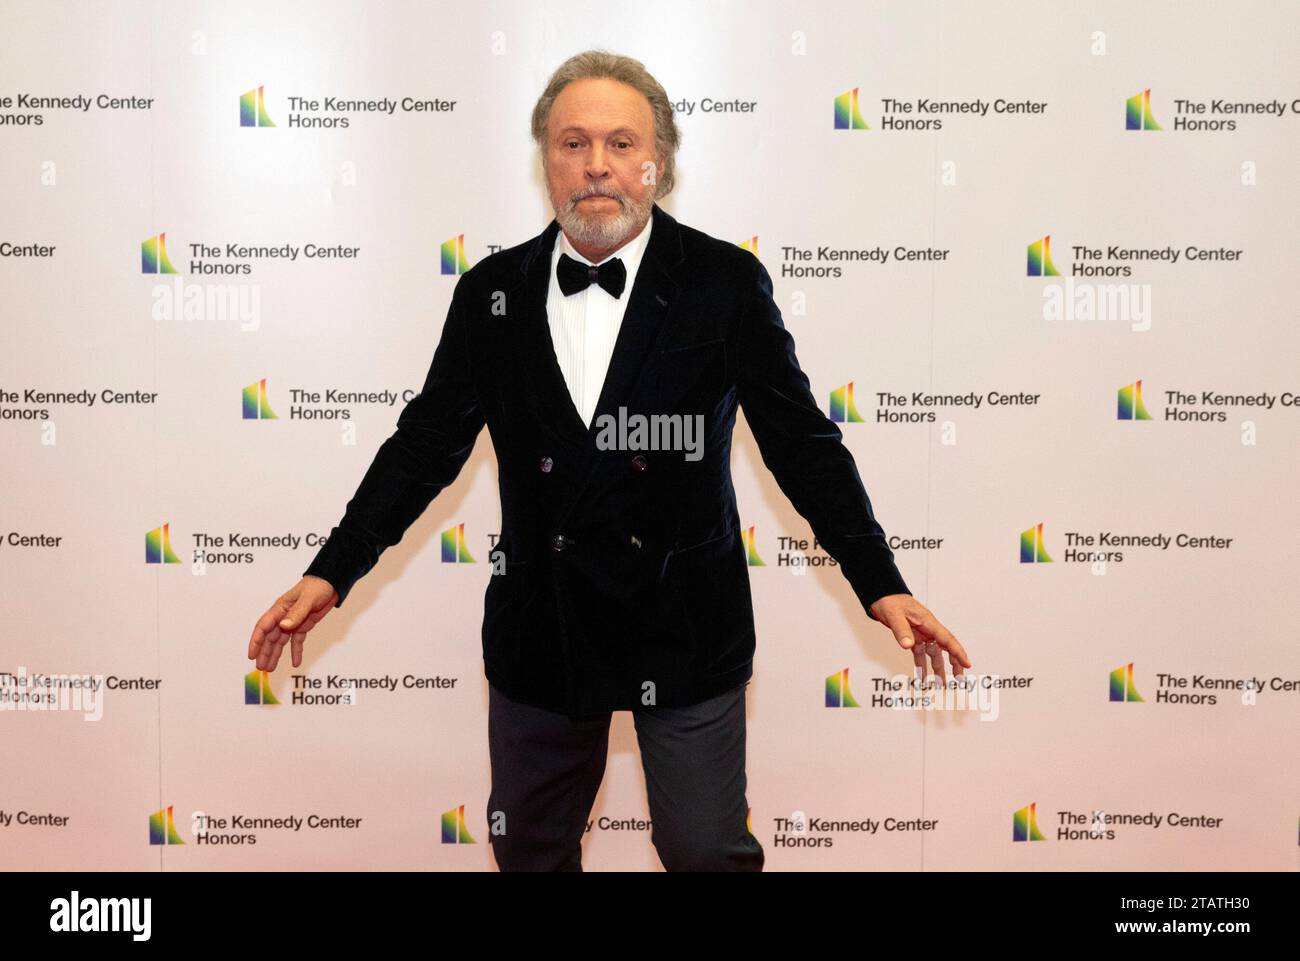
{"x":1037,"y":259}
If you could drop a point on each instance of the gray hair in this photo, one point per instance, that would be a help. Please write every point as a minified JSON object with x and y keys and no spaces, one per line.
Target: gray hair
{"x":600,"y":63}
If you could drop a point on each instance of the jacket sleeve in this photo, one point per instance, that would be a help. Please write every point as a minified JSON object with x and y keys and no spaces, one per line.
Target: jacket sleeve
{"x":804,"y":450}
{"x":435,"y":435}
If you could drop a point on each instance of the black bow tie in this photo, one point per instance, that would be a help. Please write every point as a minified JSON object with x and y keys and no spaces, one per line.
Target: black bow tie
{"x":575,"y":276}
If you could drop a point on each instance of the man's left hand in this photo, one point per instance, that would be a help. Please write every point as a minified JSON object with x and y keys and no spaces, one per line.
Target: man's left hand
{"x":919,"y":631}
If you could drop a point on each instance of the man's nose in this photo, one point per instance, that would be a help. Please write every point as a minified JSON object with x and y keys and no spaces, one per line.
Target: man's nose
{"x":597,"y":167}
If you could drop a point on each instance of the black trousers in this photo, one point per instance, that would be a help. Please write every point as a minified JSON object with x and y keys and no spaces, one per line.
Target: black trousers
{"x":547,"y":768}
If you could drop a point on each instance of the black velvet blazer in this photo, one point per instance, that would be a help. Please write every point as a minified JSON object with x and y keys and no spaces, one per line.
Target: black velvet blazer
{"x":623,"y":579}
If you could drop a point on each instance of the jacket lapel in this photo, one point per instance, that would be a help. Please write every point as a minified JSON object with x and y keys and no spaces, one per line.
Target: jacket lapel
{"x":640,"y":331}
{"x":548,"y":393}
{"x":643,"y":321}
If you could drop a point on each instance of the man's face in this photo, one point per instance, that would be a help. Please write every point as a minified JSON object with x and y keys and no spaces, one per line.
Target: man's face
{"x":599,"y":149}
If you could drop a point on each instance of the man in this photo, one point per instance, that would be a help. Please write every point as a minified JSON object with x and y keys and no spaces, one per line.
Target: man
{"x":623,"y":583}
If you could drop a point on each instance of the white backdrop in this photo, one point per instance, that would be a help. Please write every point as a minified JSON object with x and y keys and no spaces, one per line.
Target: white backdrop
{"x":121,"y":121}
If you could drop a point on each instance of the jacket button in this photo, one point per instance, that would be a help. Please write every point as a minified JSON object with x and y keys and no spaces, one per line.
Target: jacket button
{"x":546,"y":464}
{"x":557,"y":542}
{"x":639,"y":463}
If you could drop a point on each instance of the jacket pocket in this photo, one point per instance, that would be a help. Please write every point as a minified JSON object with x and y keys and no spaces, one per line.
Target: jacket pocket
{"x":509,"y":610}
{"x":710,"y":581}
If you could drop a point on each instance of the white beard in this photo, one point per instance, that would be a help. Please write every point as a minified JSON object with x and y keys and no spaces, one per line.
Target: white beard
{"x":604,"y":231}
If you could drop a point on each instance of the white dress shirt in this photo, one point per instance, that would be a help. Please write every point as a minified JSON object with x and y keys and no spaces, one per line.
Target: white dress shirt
{"x":584,"y":325}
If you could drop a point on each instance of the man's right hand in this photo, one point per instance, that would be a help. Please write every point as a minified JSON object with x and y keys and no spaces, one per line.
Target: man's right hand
{"x":288,"y":620}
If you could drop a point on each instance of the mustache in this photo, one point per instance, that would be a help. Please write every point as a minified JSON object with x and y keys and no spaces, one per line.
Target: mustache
{"x":596,"y":192}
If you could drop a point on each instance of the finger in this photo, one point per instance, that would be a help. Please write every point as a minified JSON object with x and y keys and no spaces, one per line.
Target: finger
{"x":955,"y":664}
{"x":934,"y":630}
{"x":297,"y":649}
{"x":297,"y":613}
{"x":275,"y":652}
{"x":265,"y":628}
{"x":272,"y":643}
{"x":918,"y":658}
{"x":935,"y":653}
{"x":954,"y":657}
{"x":953,"y":646}
{"x":902,"y":628}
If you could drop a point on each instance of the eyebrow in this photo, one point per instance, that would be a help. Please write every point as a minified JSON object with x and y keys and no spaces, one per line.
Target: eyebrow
{"x":624,"y":131}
